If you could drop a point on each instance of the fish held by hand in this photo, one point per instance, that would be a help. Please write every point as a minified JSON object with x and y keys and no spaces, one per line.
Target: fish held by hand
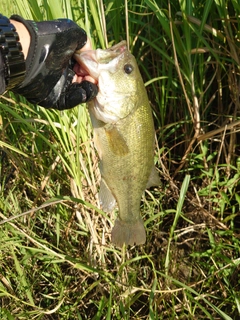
{"x":123,"y":136}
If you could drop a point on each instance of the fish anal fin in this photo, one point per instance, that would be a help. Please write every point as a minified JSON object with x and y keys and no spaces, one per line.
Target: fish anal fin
{"x":130,"y":233}
{"x":154,"y":179}
{"x":106,"y":198}
{"x":116,"y":141}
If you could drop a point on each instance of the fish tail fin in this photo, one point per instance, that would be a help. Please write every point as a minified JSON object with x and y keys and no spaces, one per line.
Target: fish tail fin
{"x":128,"y":233}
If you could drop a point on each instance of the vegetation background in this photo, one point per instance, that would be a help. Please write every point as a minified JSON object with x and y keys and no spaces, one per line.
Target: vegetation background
{"x":56,"y":258}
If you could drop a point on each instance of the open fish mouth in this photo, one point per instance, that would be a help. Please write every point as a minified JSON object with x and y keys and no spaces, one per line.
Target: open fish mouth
{"x":92,"y":62}
{"x":100,"y":65}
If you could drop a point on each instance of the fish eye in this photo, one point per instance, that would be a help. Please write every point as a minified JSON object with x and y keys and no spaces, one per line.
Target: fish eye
{"x":128,"y":68}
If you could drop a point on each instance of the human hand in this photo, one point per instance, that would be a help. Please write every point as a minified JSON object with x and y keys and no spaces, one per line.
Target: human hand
{"x":50,"y":79}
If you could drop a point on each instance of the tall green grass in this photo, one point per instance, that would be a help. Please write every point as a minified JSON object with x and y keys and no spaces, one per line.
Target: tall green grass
{"x":56,"y":258}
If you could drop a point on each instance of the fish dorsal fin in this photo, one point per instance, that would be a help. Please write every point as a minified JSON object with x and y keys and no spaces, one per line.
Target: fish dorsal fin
{"x":116,"y":141}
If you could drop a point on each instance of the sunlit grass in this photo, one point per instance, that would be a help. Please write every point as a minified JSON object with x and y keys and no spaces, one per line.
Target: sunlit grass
{"x":56,"y":257}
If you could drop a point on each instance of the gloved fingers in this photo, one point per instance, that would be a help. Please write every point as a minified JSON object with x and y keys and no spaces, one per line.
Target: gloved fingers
{"x":75,"y":94}
{"x":90,"y":88}
{"x":87,"y":46}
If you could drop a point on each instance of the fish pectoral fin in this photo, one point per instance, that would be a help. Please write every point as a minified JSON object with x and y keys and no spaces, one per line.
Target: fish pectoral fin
{"x":116,"y":141}
{"x":154,"y":179}
{"x":106,"y":198}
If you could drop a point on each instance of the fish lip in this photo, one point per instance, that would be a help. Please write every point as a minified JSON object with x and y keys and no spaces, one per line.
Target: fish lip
{"x":119,"y":47}
{"x":85,"y":60}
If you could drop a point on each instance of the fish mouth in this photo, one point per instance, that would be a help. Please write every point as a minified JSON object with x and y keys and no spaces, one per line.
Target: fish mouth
{"x":90,"y":61}
{"x":98,"y":64}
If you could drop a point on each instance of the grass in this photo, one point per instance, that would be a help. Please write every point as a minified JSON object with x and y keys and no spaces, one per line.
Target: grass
{"x":56,"y":258}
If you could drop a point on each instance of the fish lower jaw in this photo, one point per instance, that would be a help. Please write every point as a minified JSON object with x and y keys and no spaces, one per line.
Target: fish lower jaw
{"x":100,"y":114}
{"x":128,"y":233}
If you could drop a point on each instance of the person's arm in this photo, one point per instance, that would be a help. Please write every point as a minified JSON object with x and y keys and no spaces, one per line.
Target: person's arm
{"x":24,"y":36}
{"x":48,"y":48}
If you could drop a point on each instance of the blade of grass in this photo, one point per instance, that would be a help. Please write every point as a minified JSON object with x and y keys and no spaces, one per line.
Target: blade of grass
{"x":55,"y":9}
{"x":25,"y":286}
{"x":178,"y":213}
{"x":24,"y":8}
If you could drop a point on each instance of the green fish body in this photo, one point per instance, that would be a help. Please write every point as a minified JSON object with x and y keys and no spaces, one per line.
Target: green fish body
{"x":124,"y":138}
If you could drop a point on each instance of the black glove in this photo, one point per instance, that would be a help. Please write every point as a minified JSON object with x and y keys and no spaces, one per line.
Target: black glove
{"x":49,"y":65}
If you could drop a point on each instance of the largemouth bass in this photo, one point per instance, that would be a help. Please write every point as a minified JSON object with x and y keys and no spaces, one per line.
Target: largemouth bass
{"x":123,"y":136}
